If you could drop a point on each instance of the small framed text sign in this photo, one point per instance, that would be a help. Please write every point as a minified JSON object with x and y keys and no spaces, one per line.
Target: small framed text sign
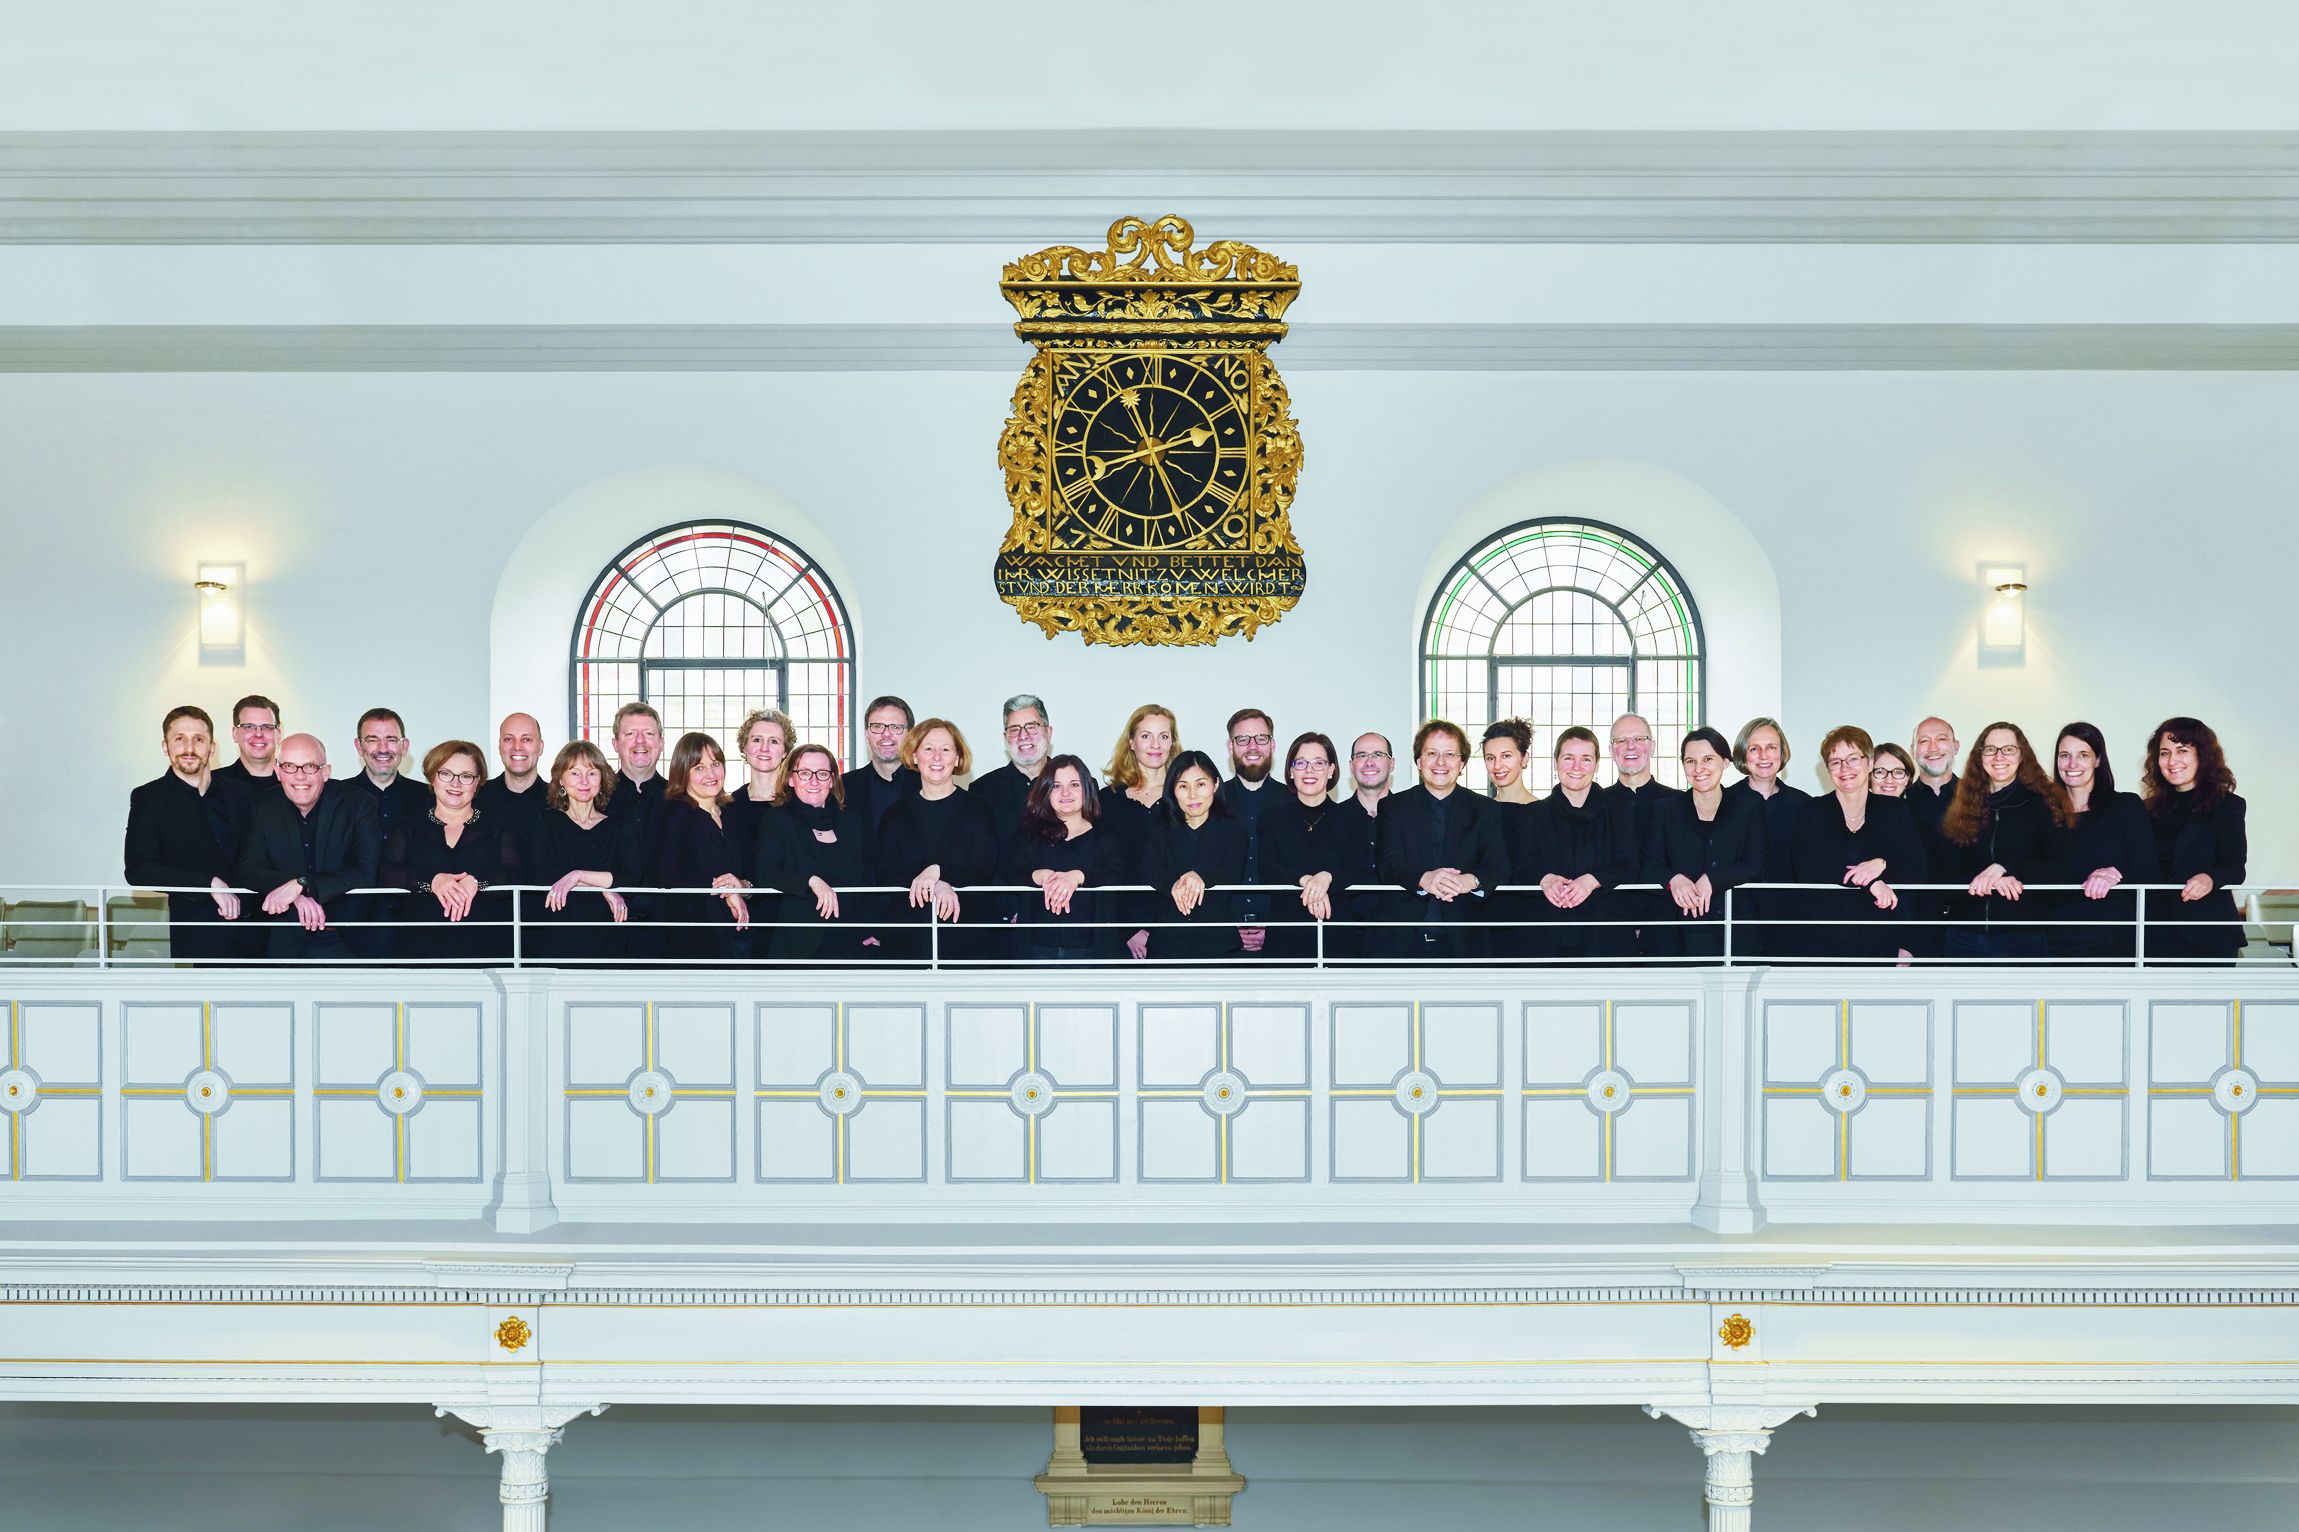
{"x":1138,"y":1466}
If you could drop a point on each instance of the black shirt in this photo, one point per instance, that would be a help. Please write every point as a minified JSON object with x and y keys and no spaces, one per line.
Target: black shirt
{"x":516,"y":813}
{"x":1928,"y":803}
{"x":1822,"y":847}
{"x":1007,"y":792}
{"x":1644,"y":804}
{"x":180,"y":837}
{"x":2187,"y":843}
{"x":1099,"y":856}
{"x":954,"y":832}
{"x":417,"y":851}
{"x":1728,"y":850}
{"x":1215,"y":851}
{"x":404,"y":798}
{"x":1246,"y":806}
{"x":796,"y":843}
{"x":247,"y":781}
{"x":2113,"y":832}
{"x":870,"y":795}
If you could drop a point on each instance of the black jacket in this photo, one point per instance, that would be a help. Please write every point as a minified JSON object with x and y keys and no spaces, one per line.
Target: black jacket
{"x":1007,"y":792}
{"x":1729,"y":850}
{"x":1410,"y":847}
{"x":1820,"y":851}
{"x":1645,"y":804}
{"x":2018,"y":833}
{"x":789,"y":853}
{"x":2114,"y":832}
{"x":1100,"y":856}
{"x":869,"y":795}
{"x":2188,"y":843}
{"x":1215,"y":851}
{"x":347,"y":850}
{"x":179,"y":837}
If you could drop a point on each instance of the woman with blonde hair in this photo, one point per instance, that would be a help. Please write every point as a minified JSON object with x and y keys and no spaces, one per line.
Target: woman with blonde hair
{"x":1136,"y":783}
{"x":939,"y":838}
{"x":764,"y":742}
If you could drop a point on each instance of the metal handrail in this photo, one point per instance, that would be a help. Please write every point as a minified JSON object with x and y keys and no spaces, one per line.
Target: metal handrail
{"x":1724,"y":919}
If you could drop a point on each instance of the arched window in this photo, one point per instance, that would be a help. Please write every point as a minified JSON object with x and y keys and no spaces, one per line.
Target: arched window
{"x":1564,"y":622}
{"x":708,"y":621}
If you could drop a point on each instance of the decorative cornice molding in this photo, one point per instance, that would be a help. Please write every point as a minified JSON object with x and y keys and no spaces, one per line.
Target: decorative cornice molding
{"x":993,"y":348}
{"x":1020,"y":189}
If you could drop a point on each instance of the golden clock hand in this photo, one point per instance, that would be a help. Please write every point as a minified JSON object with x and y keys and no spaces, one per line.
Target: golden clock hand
{"x":1096,"y":467}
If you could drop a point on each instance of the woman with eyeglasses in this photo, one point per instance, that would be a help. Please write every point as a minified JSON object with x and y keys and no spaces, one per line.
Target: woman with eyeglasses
{"x":1194,"y":847}
{"x":1064,"y":853}
{"x":1705,"y":842}
{"x":1307,"y":841}
{"x":574,"y":850}
{"x":1893,"y":771}
{"x":2109,"y":843}
{"x":810,"y":846}
{"x":697,"y":845}
{"x":1997,"y":836}
{"x":938,"y":840}
{"x":1861,"y":844}
{"x":449,"y":856}
{"x":1132,"y":789}
{"x":2200,"y":842}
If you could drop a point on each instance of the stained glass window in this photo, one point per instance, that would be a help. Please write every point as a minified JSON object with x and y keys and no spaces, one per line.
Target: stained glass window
{"x":1564,"y":622}
{"x":708,"y":621}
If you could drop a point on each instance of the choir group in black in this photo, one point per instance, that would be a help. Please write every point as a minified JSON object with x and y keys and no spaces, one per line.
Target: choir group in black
{"x":1161,"y":856}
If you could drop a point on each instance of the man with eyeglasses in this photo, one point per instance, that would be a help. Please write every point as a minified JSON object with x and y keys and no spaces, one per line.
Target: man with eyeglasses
{"x":638,"y":801}
{"x":1252,"y":743}
{"x":1029,"y":742}
{"x":1372,"y":762}
{"x":1645,"y":793}
{"x":307,"y":846}
{"x":882,"y":781}
{"x":255,"y":730}
{"x":383,"y":744}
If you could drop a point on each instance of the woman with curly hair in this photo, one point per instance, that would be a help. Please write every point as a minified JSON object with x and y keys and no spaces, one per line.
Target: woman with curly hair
{"x":1997,"y":836}
{"x":2199,"y":843}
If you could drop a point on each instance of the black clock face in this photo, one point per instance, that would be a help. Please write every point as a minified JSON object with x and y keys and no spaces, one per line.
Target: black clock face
{"x":1150,"y":452}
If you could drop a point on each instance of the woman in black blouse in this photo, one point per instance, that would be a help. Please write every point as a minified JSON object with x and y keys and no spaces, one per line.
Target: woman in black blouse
{"x":2200,"y":845}
{"x":1582,"y":845}
{"x":183,"y":831}
{"x":1761,"y":753}
{"x":764,"y":741}
{"x":1063,"y":851}
{"x":1308,"y":841}
{"x":2109,"y":842}
{"x":937,"y":840}
{"x":1859,"y":841}
{"x":1998,"y":836}
{"x":1191,"y":848}
{"x":811,"y":845}
{"x":448,"y":857}
{"x":1705,"y":842}
{"x":1131,"y":792}
{"x":699,"y":844}
{"x":578,"y":850}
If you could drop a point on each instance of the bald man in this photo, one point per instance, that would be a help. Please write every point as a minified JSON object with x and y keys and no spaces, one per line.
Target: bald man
{"x":306,"y":847}
{"x":514,"y":800}
{"x":1935,"y":751}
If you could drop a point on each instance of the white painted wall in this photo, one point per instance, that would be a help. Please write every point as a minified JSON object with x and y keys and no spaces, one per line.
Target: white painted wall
{"x":1291,"y":66}
{"x":377,"y":515}
{"x":1881,"y":1469}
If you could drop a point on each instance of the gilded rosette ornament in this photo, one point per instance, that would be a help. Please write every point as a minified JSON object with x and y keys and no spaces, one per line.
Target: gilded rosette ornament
{"x":1152,"y":454}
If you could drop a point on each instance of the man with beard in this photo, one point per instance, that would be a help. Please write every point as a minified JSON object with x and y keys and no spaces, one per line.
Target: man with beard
{"x":1928,"y":797}
{"x":1252,"y":741}
{"x":514,"y":801}
{"x":255,"y":729}
{"x":1029,"y":745}
{"x":183,"y":831}
{"x":383,"y":744}
{"x":306,"y":847}
{"x":1029,"y":742}
{"x":1634,"y":781}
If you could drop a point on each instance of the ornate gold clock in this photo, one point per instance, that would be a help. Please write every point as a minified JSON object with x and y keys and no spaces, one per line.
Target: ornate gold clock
{"x":1152,"y":454}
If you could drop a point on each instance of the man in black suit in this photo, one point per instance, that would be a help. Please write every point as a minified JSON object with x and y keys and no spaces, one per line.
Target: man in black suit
{"x":1443,"y":846}
{"x":183,"y":831}
{"x":873,"y":788}
{"x":305,"y":849}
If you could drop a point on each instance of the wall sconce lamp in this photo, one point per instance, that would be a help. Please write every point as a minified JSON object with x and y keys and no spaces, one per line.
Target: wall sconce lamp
{"x":223,"y":631}
{"x":2003,"y":614}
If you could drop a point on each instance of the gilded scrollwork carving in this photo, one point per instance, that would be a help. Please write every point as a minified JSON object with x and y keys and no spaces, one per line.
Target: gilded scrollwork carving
{"x":1151,"y":455}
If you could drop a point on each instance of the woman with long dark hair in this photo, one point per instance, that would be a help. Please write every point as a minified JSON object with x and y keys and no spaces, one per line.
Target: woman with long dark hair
{"x":1193,"y":846}
{"x":1063,"y":851}
{"x":2110,"y":842}
{"x":1996,"y":838}
{"x":2199,"y":841}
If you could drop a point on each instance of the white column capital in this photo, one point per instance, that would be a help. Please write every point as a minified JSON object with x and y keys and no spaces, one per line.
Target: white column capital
{"x":522,"y":1433}
{"x":1731,"y":1437}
